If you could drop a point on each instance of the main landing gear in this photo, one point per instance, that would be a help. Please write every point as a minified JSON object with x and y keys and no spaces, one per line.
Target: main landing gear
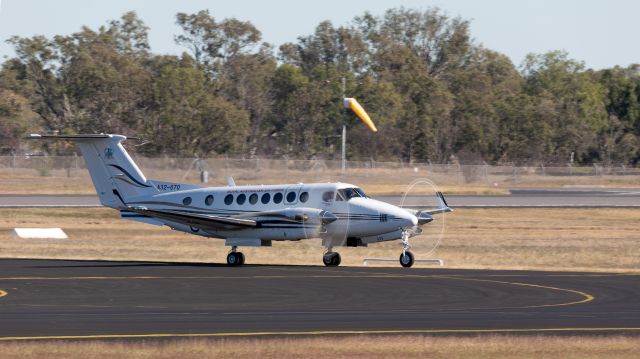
{"x":235,"y":258}
{"x":406,"y":257}
{"x":331,"y":259}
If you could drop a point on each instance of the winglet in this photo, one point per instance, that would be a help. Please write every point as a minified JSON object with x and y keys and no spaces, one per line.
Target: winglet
{"x":230,"y":181}
{"x":442,"y":203}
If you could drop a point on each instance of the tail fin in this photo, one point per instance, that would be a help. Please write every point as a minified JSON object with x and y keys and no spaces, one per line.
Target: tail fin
{"x":114,"y":174}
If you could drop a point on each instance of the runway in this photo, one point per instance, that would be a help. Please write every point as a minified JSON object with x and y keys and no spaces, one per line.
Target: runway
{"x":519,"y":198}
{"x":82,"y":299}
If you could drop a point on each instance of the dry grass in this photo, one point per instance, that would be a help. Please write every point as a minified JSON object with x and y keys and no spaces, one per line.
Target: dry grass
{"x":356,"y":346}
{"x":544,"y":239}
{"x":374,"y":181}
{"x":26,"y":182}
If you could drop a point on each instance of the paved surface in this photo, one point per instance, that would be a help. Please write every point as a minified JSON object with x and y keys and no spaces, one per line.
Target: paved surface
{"x":562,"y":198}
{"x":131,"y":299}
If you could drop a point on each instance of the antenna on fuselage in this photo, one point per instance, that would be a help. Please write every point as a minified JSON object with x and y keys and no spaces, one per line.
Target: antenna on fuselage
{"x":230,"y":181}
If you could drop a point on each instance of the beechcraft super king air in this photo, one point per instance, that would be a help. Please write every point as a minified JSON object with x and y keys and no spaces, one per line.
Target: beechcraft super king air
{"x":339,"y":213}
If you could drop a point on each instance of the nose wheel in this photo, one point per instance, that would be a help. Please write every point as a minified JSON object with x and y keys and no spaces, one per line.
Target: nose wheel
{"x":406,"y":257}
{"x":331,"y":259}
{"x":234,"y":258}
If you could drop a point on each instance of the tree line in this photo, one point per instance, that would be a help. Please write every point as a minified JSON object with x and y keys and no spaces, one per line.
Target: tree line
{"x":434,"y":93}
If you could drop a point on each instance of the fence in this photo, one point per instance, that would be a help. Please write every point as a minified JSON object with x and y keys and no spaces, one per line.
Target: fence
{"x":267,"y":171}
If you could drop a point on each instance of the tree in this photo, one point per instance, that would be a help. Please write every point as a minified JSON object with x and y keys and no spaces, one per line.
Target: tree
{"x":187,"y":118}
{"x":574,"y":104}
{"x":16,"y":118}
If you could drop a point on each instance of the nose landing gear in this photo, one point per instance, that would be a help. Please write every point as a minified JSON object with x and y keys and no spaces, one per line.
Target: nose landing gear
{"x":331,"y":259}
{"x":406,"y":258}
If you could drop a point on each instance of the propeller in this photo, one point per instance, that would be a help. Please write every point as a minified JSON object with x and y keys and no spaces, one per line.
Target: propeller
{"x":423,"y":199}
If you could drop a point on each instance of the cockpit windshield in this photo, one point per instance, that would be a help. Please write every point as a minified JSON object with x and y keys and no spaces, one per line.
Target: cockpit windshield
{"x":346,"y":194}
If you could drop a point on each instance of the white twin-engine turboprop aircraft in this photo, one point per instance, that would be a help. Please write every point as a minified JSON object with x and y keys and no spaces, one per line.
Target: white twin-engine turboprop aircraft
{"x":339,"y":213}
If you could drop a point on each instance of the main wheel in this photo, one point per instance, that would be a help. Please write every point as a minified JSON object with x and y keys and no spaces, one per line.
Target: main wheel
{"x":406,"y":259}
{"x":336,"y":260}
{"x":235,"y":259}
{"x":331,"y":259}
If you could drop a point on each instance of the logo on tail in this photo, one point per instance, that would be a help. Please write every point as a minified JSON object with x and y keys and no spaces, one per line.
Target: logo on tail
{"x":108,"y":153}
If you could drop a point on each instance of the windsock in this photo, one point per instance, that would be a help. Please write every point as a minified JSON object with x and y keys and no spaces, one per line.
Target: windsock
{"x":360,"y":112}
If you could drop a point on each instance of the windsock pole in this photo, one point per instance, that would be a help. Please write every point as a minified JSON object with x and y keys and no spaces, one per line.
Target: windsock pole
{"x":344,"y":128}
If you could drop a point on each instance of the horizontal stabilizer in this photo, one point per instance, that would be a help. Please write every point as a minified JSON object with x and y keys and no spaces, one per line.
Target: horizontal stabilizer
{"x":90,"y":136}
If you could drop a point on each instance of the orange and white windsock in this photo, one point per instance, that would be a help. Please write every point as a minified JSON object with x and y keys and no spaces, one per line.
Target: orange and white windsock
{"x":352,"y":104}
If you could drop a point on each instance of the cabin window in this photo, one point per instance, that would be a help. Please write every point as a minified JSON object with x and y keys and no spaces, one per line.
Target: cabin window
{"x":186,"y":201}
{"x":265,"y":198}
{"x":277,"y":198}
{"x":291,"y":197}
{"x":208,"y":200}
{"x":241,"y":198}
{"x":253,"y":199}
{"x":228,"y":199}
{"x":327,"y":196}
{"x":304,"y":196}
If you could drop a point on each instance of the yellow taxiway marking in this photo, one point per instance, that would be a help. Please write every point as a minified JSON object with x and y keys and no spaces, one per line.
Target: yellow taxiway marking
{"x":319,"y":332}
{"x":586,"y":297}
{"x":2,"y":293}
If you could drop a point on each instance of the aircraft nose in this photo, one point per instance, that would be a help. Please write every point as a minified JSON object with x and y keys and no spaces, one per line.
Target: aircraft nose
{"x":407,"y":220}
{"x":413,"y":220}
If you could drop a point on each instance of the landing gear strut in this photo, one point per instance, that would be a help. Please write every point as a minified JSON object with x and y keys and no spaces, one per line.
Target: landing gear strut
{"x":235,"y":258}
{"x":331,"y":259}
{"x":406,"y":257}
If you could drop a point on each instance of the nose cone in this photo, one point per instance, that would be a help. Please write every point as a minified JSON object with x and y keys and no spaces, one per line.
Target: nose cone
{"x":408,"y":220}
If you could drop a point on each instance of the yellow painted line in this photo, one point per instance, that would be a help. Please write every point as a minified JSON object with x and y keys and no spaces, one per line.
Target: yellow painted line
{"x":2,"y":293}
{"x":586,"y":297}
{"x":320,"y":332}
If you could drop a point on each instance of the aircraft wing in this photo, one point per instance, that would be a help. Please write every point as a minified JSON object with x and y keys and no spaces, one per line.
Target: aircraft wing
{"x":204,"y":221}
{"x":250,"y":220}
{"x":425,"y":215}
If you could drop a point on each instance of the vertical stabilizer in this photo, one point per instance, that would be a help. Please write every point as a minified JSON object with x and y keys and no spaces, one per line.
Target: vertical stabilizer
{"x":115,"y":176}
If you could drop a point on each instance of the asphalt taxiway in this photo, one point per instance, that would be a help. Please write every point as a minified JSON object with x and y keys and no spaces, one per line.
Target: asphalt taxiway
{"x":84,"y":299}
